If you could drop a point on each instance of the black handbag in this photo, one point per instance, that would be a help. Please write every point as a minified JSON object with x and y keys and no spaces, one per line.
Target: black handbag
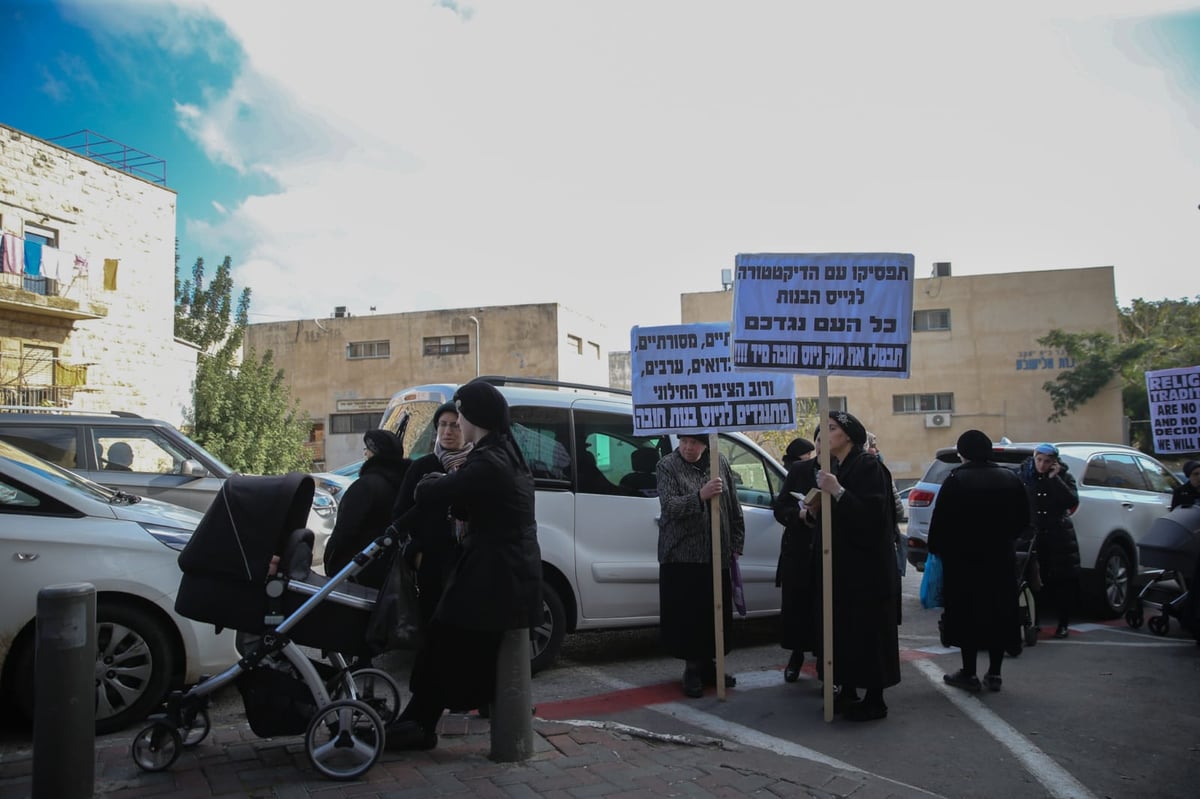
{"x":395,"y":621}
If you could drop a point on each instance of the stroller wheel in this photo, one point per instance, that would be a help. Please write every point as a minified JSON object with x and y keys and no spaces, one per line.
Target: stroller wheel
{"x":195,"y":732}
{"x":1031,"y":635}
{"x":376,"y":688}
{"x":1133,"y":618}
{"x":344,"y":739}
{"x":1159,"y":625}
{"x":157,"y":746}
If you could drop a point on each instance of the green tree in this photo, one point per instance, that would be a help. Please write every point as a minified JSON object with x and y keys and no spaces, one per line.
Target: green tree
{"x":243,"y":412}
{"x":1153,"y":334}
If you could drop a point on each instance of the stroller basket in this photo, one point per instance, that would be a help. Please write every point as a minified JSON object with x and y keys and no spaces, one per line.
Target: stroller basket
{"x":225,"y":566}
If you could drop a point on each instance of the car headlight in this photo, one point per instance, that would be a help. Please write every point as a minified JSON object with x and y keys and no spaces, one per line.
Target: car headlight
{"x":174,"y":537}
{"x":324,"y":504}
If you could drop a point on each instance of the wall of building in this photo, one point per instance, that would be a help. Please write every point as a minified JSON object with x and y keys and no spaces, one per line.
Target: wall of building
{"x":989,"y":359}
{"x":518,"y":340}
{"x":133,"y":361}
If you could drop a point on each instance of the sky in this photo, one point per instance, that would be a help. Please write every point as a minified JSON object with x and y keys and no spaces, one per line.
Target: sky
{"x":611,"y":155}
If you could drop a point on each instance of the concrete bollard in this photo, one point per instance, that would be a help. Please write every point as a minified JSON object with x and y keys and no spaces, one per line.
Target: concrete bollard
{"x":512,"y":716}
{"x":64,"y":700}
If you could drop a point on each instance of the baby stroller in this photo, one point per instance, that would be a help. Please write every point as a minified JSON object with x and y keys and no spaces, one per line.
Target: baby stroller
{"x":1028,"y":583}
{"x":247,"y":567}
{"x":1171,"y":548}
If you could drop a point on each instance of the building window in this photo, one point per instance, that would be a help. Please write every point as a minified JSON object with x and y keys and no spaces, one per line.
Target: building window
{"x":368,"y":349}
{"x":42,"y":235}
{"x":937,"y":319}
{"x":353,"y":422}
{"x":808,"y":406}
{"x":447,"y":345}
{"x":575,"y":343}
{"x":595,"y":349}
{"x":922,"y":403}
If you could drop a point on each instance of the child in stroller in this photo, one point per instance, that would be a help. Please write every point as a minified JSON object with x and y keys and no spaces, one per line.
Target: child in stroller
{"x":247,"y":567}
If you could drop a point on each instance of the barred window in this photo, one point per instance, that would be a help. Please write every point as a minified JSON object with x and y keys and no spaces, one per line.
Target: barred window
{"x":938,"y":319}
{"x":922,"y":403}
{"x":353,"y":422}
{"x":446,"y":345}
{"x":368,"y":349}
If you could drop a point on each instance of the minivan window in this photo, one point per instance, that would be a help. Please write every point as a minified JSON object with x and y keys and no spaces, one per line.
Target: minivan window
{"x":756,"y":484}
{"x":54,"y":444}
{"x":542,"y":434}
{"x":606,"y":452}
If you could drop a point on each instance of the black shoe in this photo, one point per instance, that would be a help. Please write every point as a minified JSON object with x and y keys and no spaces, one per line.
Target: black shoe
{"x":709,"y":676}
{"x":960,"y":679}
{"x":865,"y":711}
{"x":842,"y":700}
{"x":795,"y":662}
{"x":1062,"y":632}
{"x":992,"y":681}
{"x":409,"y":735}
{"x":693,"y":683}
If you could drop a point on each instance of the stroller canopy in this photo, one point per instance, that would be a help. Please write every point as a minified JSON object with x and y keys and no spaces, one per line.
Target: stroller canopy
{"x":1173,"y":541}
{"x":248,"y":522}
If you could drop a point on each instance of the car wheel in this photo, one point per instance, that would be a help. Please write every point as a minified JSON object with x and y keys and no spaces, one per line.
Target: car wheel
{"x":134,"y":664}
{"x":546,"y":639}
{"x":1114,"y":581}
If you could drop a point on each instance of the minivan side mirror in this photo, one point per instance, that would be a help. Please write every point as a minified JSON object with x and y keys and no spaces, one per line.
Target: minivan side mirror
{"x":191,"y":468}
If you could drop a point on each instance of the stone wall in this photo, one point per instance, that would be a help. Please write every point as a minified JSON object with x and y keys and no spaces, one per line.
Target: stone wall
{"x":134,"y":362}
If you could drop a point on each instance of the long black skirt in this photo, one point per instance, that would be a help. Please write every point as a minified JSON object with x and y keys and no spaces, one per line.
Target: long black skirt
{"x":685,"y":595}
{"x":456,"y":668}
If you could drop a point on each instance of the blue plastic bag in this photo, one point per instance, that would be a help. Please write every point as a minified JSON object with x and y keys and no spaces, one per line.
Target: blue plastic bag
{"x":931,"y":583}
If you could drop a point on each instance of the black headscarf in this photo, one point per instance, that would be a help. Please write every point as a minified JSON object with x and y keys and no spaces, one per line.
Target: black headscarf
{"x":853,"y":428}
{"x":797,"y":449}
{"x":974,"y":445}
{"x":383,"y":442}
{"x":483,"y":406}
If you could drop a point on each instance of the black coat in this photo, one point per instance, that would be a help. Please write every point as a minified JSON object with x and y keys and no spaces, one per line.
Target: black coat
{"x":981,"y":510}
{"x":496,"y":582}
{"x":1051,"y":502}
{"x":1184,"y":495}
{"x":799,"y":628}
{"x":364,"y":512}
{"x":432,"y":531}
{"x":866,"y":584}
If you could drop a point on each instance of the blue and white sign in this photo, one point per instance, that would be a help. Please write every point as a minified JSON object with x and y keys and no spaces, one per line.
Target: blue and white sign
{"x":1174,"y":396}
{"x":823,"y":313}
{"x":683,"y":382}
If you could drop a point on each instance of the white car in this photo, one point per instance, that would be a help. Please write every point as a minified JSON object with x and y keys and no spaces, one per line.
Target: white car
{"x":597,"y":518}
{"x":58,"y":528}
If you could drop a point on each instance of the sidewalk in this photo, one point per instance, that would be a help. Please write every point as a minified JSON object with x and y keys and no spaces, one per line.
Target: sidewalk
{"x":570,"y":760}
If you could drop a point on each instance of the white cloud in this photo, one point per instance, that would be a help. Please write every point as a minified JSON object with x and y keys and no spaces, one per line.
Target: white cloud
{"x":610,"y":156}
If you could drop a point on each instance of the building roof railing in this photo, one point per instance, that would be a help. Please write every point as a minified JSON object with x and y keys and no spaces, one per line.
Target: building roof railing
{"x":113,"y":153}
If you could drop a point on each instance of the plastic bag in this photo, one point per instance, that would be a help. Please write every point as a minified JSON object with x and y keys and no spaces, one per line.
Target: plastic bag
{"x":739,"y":593}
{"x":931,"y":583}
{"x":395,"y":621}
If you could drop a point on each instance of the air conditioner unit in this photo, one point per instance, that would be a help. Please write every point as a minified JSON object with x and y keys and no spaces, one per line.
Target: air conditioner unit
{"x":937,"y":420}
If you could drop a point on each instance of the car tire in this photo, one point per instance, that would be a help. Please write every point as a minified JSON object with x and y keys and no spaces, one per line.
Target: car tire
{"x":1112,"y":584}
{"x":545,"y":640}
{"x":137,"y":645}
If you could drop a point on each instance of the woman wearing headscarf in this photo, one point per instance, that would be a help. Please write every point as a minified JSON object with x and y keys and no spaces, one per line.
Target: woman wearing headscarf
{"x":496,"y":582}
{"x":1187,"y":493}
{"x":794,"y":574}
{"x":866,"y":585}
{"x":1052,"y":497}
{"x":435,"y":532}
{"x":981,"y":511}
{"x":685,"y":568}
{"x":366,"y":506}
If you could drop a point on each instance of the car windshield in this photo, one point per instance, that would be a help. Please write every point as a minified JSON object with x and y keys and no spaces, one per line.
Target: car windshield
{"x":22,"y":459}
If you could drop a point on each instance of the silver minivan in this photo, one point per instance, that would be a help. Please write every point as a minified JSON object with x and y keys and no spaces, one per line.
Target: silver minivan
{"x":1121,"y":492}
{"x":598,"y":521}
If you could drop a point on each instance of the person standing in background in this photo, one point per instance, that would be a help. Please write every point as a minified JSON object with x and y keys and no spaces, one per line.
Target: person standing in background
{"x":1052,"y":496}
{"x":794,"y":574}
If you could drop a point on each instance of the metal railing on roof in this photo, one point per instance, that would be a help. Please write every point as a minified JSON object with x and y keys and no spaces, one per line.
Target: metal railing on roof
{"x":113,"y":153}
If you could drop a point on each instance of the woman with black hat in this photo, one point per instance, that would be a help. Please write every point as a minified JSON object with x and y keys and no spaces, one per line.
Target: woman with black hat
{"x":794,"y":572}
{"x":366,"y":507}
{"x":496,"y":582}
{"x":1186,"y":494}
{"x":866,"y":585}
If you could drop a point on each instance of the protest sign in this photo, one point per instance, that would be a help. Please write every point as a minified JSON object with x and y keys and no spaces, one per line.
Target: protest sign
{"x":683,"y":382}
{"x":823,"y":313}
{"x":1174,"y":396}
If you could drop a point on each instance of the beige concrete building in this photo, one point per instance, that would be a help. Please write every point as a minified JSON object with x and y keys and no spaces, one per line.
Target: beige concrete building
{"x":976,"y":363}
{"x":93,"y":329}
{"x":343,"y":369}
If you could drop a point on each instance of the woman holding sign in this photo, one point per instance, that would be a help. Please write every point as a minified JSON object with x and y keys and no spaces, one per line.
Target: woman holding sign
{"x":685,"y":572}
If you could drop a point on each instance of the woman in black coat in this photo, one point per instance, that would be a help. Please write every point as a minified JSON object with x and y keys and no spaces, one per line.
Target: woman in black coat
{"x":981,"y":511}
{"x":866,"y":584}
{"x":1052,"y":498}
{"x":435,"y":532}
{"x":366,"y":507}
{"x":794,"y":575}
{"x":496,"y":582}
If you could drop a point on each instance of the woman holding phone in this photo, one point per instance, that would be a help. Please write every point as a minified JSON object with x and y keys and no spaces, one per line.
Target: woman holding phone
{"x":1052,"y":497}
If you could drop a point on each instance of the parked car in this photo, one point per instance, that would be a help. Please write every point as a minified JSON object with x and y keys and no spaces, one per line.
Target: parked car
{"x":58,"y":528}
{"x":904,"y":492}
{"x":1121,"y":492}
{"x":598,"y":537}
{"x":146,"y":457}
